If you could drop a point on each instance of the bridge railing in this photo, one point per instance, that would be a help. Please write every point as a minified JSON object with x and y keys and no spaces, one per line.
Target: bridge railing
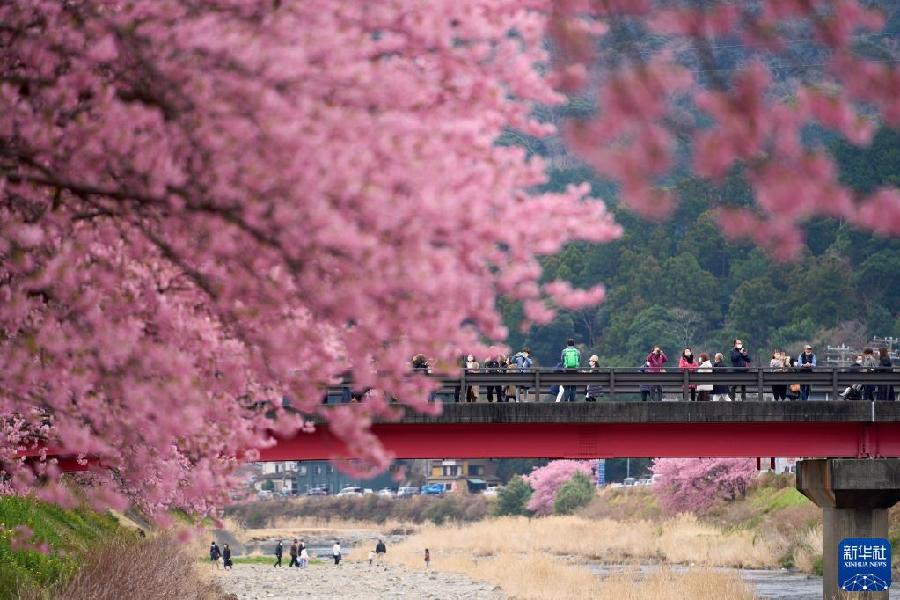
{"x":618,"y":381}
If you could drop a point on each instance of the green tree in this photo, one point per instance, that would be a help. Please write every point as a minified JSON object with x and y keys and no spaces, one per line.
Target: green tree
{"x":823,"y":291}
{"x":513,"y":497}
{"x":755,"y":310}
{"x":573,"y":494}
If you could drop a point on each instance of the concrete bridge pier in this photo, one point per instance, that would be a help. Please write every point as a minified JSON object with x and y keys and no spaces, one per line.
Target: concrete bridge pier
{"x":855,"y":495}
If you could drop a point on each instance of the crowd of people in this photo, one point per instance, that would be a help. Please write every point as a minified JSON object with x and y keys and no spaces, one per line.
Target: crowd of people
{"x":300,"y":554}
{"x":737,"y":358}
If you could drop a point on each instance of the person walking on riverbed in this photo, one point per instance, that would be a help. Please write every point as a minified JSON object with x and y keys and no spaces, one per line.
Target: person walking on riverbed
{"x":380,"y":550}
{"x":336,"y":553}
{"x":214,"y":553}
{"x":279,"y":552}
{"x":304,"y":557}
{"x":427,"y":559}
{"x":226,"y":557}
{"x":293,"y":552}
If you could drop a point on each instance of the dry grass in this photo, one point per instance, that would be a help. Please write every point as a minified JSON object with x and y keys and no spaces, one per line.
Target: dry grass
{"x":536,"y":576}
{"x":681,"y":540}
{"x":538,"y":558}
{"x":152,"y":569}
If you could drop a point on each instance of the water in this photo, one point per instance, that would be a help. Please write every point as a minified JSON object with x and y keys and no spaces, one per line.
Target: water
{"x":767,"y":584}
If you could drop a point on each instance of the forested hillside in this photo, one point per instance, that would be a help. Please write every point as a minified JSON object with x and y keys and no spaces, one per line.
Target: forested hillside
{"x":678,"y":282}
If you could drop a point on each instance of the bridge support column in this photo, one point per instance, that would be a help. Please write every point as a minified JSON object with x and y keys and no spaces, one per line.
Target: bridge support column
{"x":855,"y":495}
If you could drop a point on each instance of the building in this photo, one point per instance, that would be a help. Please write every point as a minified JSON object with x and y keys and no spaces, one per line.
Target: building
{"x":463,"y":475}
{"x":324,"y":475}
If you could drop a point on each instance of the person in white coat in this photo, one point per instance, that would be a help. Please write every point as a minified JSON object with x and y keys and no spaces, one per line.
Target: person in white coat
{"x":704,"y":390}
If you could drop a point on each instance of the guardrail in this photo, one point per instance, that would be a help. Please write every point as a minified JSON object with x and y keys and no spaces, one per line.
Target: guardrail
{"x":614,"y":381}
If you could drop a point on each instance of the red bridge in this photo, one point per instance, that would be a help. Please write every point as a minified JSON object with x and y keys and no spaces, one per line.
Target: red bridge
{"x":623,"y":429}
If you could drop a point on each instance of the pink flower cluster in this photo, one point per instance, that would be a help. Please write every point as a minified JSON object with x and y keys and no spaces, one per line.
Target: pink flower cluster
{"x":546,"y":481}
{"x":205,"y":208}
{"x":694,"y":484}
{"x":657,"y":101}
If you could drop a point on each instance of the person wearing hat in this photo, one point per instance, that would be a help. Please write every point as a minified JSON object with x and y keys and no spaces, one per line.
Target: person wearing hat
{"x":806,"y":362}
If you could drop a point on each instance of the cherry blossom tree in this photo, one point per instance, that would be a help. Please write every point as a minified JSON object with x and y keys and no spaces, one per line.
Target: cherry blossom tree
{"x":208,"y":207}
{"x":694,"y":484}
{"x":546,"y":481}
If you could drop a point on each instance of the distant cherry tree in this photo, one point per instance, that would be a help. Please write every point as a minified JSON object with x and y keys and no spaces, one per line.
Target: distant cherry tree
{"x":547,"y":480}
{"x":207,"y":208}
{"x":694,"y":484}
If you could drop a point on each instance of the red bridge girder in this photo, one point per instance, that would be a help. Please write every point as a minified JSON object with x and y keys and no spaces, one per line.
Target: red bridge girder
{"x":607,"y":440}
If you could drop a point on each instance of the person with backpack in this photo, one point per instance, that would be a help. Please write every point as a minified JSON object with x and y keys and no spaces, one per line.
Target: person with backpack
{"x":214,"y":553}
{"x":524,"y":363}
{"x":492,"y":365}
{"x":869,"y":365}
{"x":279,"y":552}
{"x":854,"y":391}
{"x":571,"y":359}
{"x":656,"y":359}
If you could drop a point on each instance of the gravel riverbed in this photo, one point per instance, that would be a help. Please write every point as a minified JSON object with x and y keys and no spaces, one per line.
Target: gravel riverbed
{"x":349,"y":580}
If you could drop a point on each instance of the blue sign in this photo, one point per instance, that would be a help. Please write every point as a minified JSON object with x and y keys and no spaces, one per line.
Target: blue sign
{"x":864,"y":564}
{"x":601,"y":472}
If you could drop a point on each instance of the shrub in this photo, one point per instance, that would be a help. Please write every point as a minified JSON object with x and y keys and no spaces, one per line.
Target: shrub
{"x":378,"y":509}
{"x":548,"y":479}
{"x":573,"y":494}
{"x":694,"y":484}
{"x":157,"y":568}
{"x":513,"y":498}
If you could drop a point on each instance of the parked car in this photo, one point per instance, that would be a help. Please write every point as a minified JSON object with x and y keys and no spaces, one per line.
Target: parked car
{"x":387,"y":492}
{"x":317,"y":491}
{"x":490,"y":490}
{"x":433,"y":489}
{"x":628,"y":481}
{"x":407,"y":491}
{"x":351,"y":491}
{"x":367,"y":491}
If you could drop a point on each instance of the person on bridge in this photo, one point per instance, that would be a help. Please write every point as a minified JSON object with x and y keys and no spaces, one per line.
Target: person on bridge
{"x":279,"y":552}
{"x":869,"y":364}
{"x":524,"y":363}
{"x":571,"y":359}
{"x":687,"y":362}
{"x":885,"y":392}
{"x":594,"y":390}
{"x":656,"y":359}
{"x":704,"y":389}
{"x":807,"y":362}
{"x":472,"y":390}
{"x":293,"y":553}
{"x":740,"y":358}
{"x":510,"y":390}
{"x":720,"y":391}
{"x":492,"y":364}
{"x":214,"y":553}
{"x":777,"y":364}
{"x":645,"y":387}
{"x":226,"y":557}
